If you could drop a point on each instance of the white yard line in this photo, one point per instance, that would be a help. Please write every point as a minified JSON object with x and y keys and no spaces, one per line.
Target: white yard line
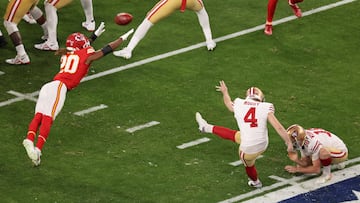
{"x":196,"y":46}
{"x":193,"y":143}
{"x":90,"y":110}
{"x":140,"y":127}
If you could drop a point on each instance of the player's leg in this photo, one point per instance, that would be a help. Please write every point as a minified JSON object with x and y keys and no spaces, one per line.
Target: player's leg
{"x":203,"y":18}
{"x":89,"y":23}
{"x":39,"y":17}
{"x":294,"y":6}
{"x":249,"y":163}
{"x":325,"y":159}
{"x":271,"y":7}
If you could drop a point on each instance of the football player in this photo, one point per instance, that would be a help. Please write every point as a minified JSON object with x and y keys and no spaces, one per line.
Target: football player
{"x":271,"y":11}
{"x":163,"y":9}
{"x":51,"y":7}
{"x":318,"y":148}
{"x":74,"y":64}
{"x":15,"y":11}
{"x":252,"y":115}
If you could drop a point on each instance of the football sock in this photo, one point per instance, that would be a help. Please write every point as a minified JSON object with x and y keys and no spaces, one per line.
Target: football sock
{"x":139,"y":33}
{"x":296,"y":1}
{"x":44,"y":131}
{"x":203,"y":18}
{"x":271,"y":7}
{"x":34,"y":126}
{"x":224,"y":133}
{"x":251,"y":172}
{"x":88,"y":10}
{"x":52,"y":21}
{"x":20,"y":49}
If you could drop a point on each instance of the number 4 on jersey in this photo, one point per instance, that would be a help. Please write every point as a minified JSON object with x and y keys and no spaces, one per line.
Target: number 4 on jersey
{"x":250,"y":117}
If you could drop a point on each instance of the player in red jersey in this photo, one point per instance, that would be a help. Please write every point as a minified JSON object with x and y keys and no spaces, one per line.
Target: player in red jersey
{"x":163,"y":9}
{"x":252,"y":115}
{"x":74,"y":65}
{"x":271,"y":11}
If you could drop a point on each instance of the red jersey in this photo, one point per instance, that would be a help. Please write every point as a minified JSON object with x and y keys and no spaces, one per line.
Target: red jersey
{"x":73,"y":67}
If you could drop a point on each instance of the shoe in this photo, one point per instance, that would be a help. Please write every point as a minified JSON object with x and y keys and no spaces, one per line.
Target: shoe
{"x":296,"y":9}
{"x":19,"y":60}
{"x":340,"y":165}
{"x":47,"y":46}
{"x":29,"y":19}
{"x":268,"y":29}
{"x":210,"y":45}
{"x":30,"y":150}
{"x":125,"y":53}
{"x":324,"y":178}
{"x":37,"y":159}
{"x":202,"y":123}
{"x":255,"y":184}
{"x":2,"y":41}
{"x":90,"y":26}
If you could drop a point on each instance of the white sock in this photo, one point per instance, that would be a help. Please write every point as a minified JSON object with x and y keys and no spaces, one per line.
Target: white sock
{"x":20,"y":49}
{"x":139,"y":34}
{"x":203,"y":18}
{"x":327,"y":170}
{"x":208,"y":128}
{"x":88,"y":10}
{"x":51,"y":22}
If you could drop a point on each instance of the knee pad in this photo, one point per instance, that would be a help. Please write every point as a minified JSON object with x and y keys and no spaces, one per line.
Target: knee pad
{"x":10,"y":27}
{"x":36,"y":12}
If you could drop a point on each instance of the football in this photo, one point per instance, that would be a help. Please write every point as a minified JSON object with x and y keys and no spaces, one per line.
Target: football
{"x":123,"y":18}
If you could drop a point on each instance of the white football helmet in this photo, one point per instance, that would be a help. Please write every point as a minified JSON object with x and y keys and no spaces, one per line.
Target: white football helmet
{"x":255,"y":93}
{"x":297,"y":135}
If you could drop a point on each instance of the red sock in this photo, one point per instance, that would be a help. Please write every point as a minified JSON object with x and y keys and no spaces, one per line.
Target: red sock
{"x":326,"y":162}
{"x":34,"y":126}
{"x":224,"y":133}
{"x":251,"y":172}
{"x":44,"y":131}
{"x":271,"y":10}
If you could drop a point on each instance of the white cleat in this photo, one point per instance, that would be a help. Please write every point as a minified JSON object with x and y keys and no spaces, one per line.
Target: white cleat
{"x":210,"y":45}
{"x":89,"y":26}
{"x":19,"y":60}
{"x":47,"y":46}
{"x":125,"y":53}
{"x":202,"y":123}
{"x":29,"y":19}
{"x":37,"y":159}
{"x":324,"y":178}
{"x":340,"y":165}
{"x":30,"y":149}
{"x":255,"y":184}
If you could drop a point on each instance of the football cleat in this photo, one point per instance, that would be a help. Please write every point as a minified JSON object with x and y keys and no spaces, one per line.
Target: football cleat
{"x":202,"y":123}
{"x":255,"y":184}
{"x":296,"y":9}
{"x":324,"y":178}
{"x":340,"y":166}
{"x":268,"y":29}
{"x":125,"y":53}
{"x":89,"y":26}
{"x":29,"y":19}
{"x":210,"y":45}
{"x":47,"y":46}
{"x":37,"y":159}
{"x":19,"y":60}
{"x":30,"y":150}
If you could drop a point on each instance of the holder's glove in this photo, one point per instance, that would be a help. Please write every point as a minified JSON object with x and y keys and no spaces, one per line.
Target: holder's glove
{"x":100,"y":30}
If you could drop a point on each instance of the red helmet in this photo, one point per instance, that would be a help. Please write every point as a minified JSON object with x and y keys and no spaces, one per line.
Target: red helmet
{"x":77,"y":41}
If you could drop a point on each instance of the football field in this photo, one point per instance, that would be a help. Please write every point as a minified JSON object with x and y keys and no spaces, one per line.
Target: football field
{"x":128,"y":132}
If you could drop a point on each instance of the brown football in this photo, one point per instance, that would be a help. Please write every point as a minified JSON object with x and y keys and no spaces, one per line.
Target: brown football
{"x":123,"y":18}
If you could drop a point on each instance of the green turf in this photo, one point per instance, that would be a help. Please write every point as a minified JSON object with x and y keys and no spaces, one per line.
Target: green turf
{"x":309,"y":69}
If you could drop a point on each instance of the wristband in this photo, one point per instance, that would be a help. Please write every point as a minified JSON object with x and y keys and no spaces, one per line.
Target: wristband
{"x":107,"y":49}
{"x":93,"y":37}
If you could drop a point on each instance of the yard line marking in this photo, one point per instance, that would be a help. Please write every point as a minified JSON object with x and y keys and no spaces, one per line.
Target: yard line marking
{"x":2,"y":73}
{"x":195,"y":46}
{"x":140,"y":127}
{"x":90,"y":110}
{"x":193,"y":143}
{"x":289,"y":181}
{"x":24,"y":96}
{"x":239,"y":162}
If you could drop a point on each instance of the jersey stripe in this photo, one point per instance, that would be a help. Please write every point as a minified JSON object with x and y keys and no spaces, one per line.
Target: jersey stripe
{"x":156,"y":8}
{"x":13,"y":10}
{"x":57,"y":99}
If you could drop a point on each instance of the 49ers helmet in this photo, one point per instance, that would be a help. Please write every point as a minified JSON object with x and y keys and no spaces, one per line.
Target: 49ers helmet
{"x":296,"y":134}
{"x":77,"y":41}
{"x":255,"y":93}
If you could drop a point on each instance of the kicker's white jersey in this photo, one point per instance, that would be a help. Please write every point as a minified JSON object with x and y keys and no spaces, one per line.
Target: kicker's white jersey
{"x":316,"y":138}
{"x":251,"y":117}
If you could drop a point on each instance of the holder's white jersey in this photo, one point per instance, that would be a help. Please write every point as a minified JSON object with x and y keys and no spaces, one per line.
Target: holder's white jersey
{"x":251,"y":117}
{"x":316,"y":138}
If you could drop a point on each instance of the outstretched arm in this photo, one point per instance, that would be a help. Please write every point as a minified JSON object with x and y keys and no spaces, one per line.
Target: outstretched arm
{"x":226,"y":97}
{"x":280,"y":130}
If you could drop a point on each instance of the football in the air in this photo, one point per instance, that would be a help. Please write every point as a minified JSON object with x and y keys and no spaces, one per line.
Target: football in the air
{"x":123,"y":18}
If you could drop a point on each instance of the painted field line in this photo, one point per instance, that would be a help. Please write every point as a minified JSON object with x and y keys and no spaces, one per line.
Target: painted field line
{"x":140,"y":127}
{"x":189,"y":48}
{"x":193,"y":143}
{"x":239,"y":162}
{"x":339,"y":175}
{"x":24,"y":96}
{"x":2,"y":73}
{"x":90,"y":110}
